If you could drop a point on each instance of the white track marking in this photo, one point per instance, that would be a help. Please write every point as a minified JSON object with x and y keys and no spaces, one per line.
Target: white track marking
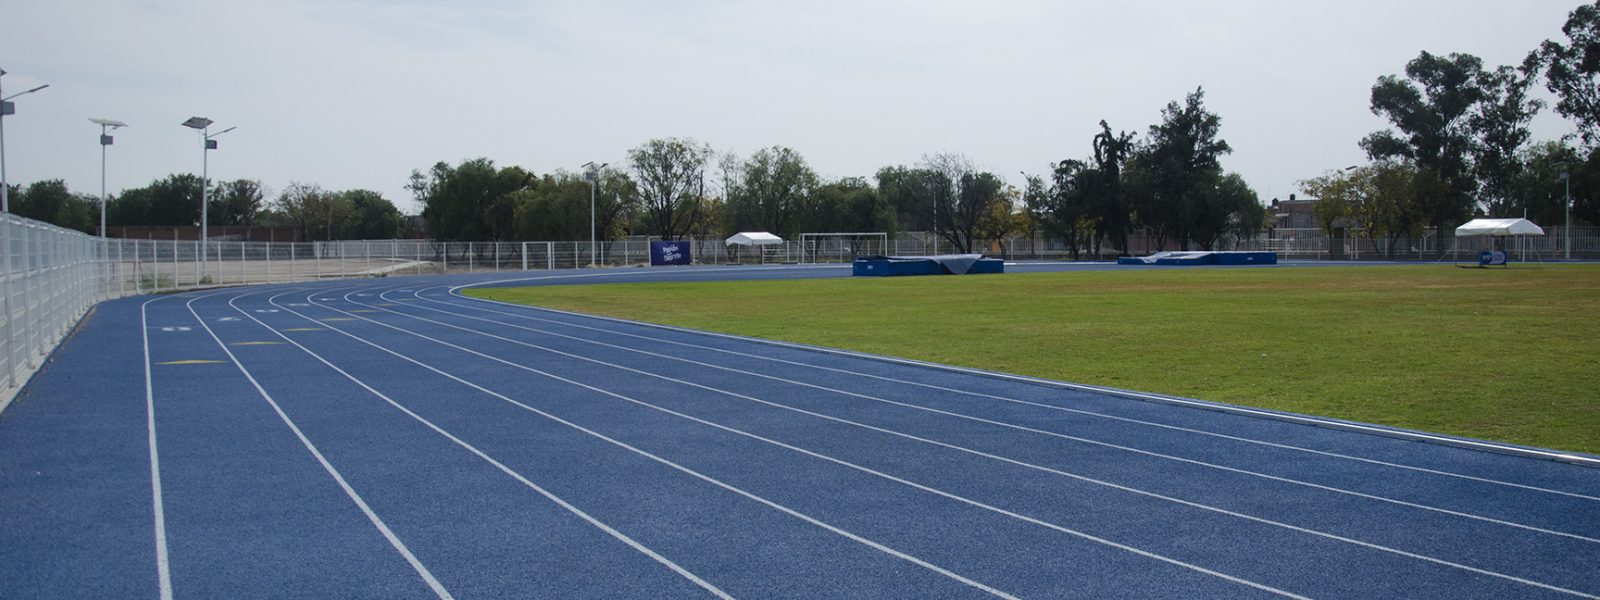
{"x":568,"y":506}
{"x":1296,"y":528}
{"x":830,"y":459}
{"x":471,"y":301}
{"x":976,"y":419}
{"x":163,"y":566}
{"x":388,"y":534}
{"x":1241,"y":411}
{"x":696,"y":474}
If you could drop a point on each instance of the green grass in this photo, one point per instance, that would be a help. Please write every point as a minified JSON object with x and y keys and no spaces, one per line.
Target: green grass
{"x":1504,"y":354}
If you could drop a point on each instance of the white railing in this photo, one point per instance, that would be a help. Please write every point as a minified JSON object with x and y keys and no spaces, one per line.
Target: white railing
{"x":52,"y":276}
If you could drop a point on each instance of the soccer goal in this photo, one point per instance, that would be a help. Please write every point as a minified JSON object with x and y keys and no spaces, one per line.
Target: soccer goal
{"x":841,"y":247}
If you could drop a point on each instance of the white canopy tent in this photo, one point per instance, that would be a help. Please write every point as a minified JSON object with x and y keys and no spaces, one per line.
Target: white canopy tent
{"x":1500,"y":228}
{"x":757,"y":239}
{"x":754,"y":238}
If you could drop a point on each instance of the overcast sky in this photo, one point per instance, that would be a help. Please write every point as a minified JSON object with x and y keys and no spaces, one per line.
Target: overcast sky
{"x":357,"y":94}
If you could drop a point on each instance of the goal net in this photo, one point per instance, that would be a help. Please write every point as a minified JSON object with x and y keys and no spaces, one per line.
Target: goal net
{"x":841,"y":247}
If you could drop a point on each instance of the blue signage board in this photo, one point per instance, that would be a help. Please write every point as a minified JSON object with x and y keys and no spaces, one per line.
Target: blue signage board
{"x":1495,"y":258}
{"x":669,"y":253}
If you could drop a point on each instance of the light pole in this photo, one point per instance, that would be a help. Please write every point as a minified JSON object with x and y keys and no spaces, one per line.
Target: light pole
{"x":8,"y":108}
{"x":207,"y":144}
{"x":593,"y":176}
{"x":106,"y":126}
{"x":1566,"y":179}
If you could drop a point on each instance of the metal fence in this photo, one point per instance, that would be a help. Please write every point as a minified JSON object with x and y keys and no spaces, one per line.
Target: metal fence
{"x":52,"y":276}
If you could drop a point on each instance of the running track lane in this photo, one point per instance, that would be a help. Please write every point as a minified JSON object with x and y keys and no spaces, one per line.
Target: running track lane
{"x":391,"y":439}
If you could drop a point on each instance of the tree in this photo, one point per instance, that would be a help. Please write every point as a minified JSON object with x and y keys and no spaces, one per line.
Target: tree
{"x":772,"y":192}
{"x":616,"y":200}
{"x":1432,"y":109}
{"x":1108,"y":201}
{"x":315,"y":212}
{"x":469,"y":202}
{"x":909,"y":193}
{"x":235,"y":203}
{"x":1180,"y":170}
{"x":847,"y":205}
{"x":373,"y":216}
{"x":556,"y":208}
{"x":1337,"y":196}
{"x":51,"y":202}
{"x":1500,"y":128}
{"x":1243,"y":214}
{"x":1572,"y":71}
{"x":963,"y":195}
{"x":671,"y":178}
{"x":1065,"y":209}
{"x":1005,"y":216}
{"x":1541,"y":195}
{"x":1384,"y":201}
{"x":173,"y":201}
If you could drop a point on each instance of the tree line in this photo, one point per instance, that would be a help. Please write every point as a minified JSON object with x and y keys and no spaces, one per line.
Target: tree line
{"x":174,"y":201}
{"x":1171,"y":183}
{"x":1460,"y":146}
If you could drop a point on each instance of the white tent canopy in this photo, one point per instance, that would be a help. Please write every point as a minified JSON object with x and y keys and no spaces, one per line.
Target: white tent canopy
{"x":1498,"y":228}
{"x":754,"y":238}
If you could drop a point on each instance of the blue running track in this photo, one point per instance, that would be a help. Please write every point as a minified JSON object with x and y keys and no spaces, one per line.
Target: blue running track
{"x":391,"y":438}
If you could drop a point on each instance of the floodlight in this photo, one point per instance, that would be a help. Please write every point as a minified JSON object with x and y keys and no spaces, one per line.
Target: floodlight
{"x":106,"y":125}
{"x":27,"y":92}
{"x":197,"y":123}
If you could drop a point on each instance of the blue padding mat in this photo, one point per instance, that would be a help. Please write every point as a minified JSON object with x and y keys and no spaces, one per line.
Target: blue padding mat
{"x":949,"y":264}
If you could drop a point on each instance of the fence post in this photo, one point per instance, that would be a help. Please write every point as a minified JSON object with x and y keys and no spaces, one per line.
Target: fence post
{"x":122,"y":280}
{"x":524,"y":256}
{"x":550,"y":255}
{"x":11,"y":318}
{"x":27,"y":294}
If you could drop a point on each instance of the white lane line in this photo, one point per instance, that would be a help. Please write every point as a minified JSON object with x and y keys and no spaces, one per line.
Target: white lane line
{"x":696,"y":474}
{"x":163,"y":566}
{"x":568,"y":506}
{"x":1041,"y":468}
{"x":1442,"y":440}
{"x":470,"y":302}
{"x":830,"y":459}
{"x":388,"y":534}
{"x":975,"y":419}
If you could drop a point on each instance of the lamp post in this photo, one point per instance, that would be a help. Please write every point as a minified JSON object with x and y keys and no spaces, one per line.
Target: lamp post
{"x":207,"y":144}
{"x":7,"y":108}
{"x":1566,"y":179}
{"x":106,"y":126}
{"x":593,"y":176}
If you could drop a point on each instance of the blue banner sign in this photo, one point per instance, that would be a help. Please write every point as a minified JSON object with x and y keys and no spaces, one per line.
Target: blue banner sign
{"x":1496,"y":258}
{"x":669,"y":253}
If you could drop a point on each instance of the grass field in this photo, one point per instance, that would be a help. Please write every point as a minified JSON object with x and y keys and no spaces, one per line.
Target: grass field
{"x":1503,"y":354}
